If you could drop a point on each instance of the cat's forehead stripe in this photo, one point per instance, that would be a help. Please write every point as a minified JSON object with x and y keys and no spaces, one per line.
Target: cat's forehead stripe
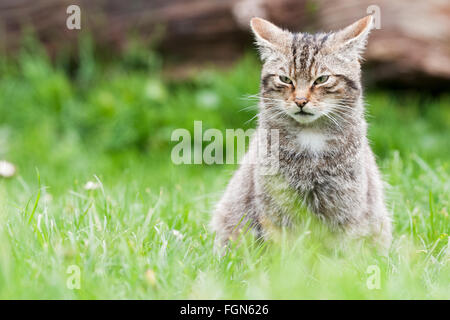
{"x":294,"y":50}
{"x":305,"y":47}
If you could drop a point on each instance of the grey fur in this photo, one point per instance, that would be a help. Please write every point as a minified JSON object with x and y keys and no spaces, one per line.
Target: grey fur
{"x":325,"y":161}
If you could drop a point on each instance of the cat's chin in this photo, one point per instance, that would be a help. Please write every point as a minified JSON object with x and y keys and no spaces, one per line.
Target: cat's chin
{"x":305,"y":118}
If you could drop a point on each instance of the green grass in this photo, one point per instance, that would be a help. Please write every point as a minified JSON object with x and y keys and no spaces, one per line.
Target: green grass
{"x":111,"y":124}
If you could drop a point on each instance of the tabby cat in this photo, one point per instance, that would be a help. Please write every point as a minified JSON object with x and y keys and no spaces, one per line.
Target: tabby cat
{"x":311,"y":94}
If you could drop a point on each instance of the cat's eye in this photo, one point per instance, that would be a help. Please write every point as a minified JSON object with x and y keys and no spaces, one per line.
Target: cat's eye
{"x":321,"y":79}
{"x":285,"y":80}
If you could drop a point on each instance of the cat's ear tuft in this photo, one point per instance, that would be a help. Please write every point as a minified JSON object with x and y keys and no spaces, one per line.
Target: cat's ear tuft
{"x":354,"y":37}
{"x":268,"y":36}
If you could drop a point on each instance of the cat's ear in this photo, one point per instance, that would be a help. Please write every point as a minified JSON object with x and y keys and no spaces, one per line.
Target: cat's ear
{"x":268,"y":36}
{"x":353,"y":38}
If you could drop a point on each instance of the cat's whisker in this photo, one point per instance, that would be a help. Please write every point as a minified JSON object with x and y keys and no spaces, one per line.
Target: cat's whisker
{"x":340,"y":118}
{"x":272,"y":100}
{"x":340,"y":112}
{"x":253,"y":107}
{"x":274,"y":114}
{"x":340,"y":115}
{"x":342,"y":106}
{"x":338,"y":126}
{"x":251,"y":96}
{"x":331,"y":118}
{"x":262,"y":98}
{"x":252,"y":118}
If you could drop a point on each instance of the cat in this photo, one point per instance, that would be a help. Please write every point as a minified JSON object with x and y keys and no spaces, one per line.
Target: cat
{"x":311,"y":93}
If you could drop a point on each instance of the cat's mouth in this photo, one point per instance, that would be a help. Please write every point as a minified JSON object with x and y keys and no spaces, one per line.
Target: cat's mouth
{"x":303,"y":113}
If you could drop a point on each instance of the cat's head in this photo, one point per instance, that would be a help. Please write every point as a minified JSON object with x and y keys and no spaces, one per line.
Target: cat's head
{"x":310,"y":76}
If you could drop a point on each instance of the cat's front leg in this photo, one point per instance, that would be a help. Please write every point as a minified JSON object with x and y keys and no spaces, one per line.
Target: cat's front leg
{"x":236,"y":211}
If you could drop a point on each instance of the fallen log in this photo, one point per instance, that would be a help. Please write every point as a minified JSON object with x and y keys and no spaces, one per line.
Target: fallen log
{"x":411,"y":44}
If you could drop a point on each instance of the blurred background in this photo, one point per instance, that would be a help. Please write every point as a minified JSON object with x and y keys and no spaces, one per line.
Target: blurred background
{"x":86,"y":177}
{"x":137,"y":70}
{"x":412,"y":45}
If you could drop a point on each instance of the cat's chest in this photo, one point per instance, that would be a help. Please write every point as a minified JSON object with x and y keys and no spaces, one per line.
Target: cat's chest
{"x":312,"y":169}
{"x":312,"y":142}
{"x":308,"y":159}
{"x":310,"y":166}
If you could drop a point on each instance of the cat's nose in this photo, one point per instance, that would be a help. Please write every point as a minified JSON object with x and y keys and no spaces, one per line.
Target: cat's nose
{"x":300,"y":102}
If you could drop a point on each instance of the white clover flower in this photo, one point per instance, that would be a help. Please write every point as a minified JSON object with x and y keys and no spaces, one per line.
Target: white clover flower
{"x":7,"y":169}
{"x":90,"y":185}
{"x":177,"y":234}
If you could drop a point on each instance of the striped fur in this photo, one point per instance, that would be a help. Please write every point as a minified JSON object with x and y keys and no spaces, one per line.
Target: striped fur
{"x":325,"y":161}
